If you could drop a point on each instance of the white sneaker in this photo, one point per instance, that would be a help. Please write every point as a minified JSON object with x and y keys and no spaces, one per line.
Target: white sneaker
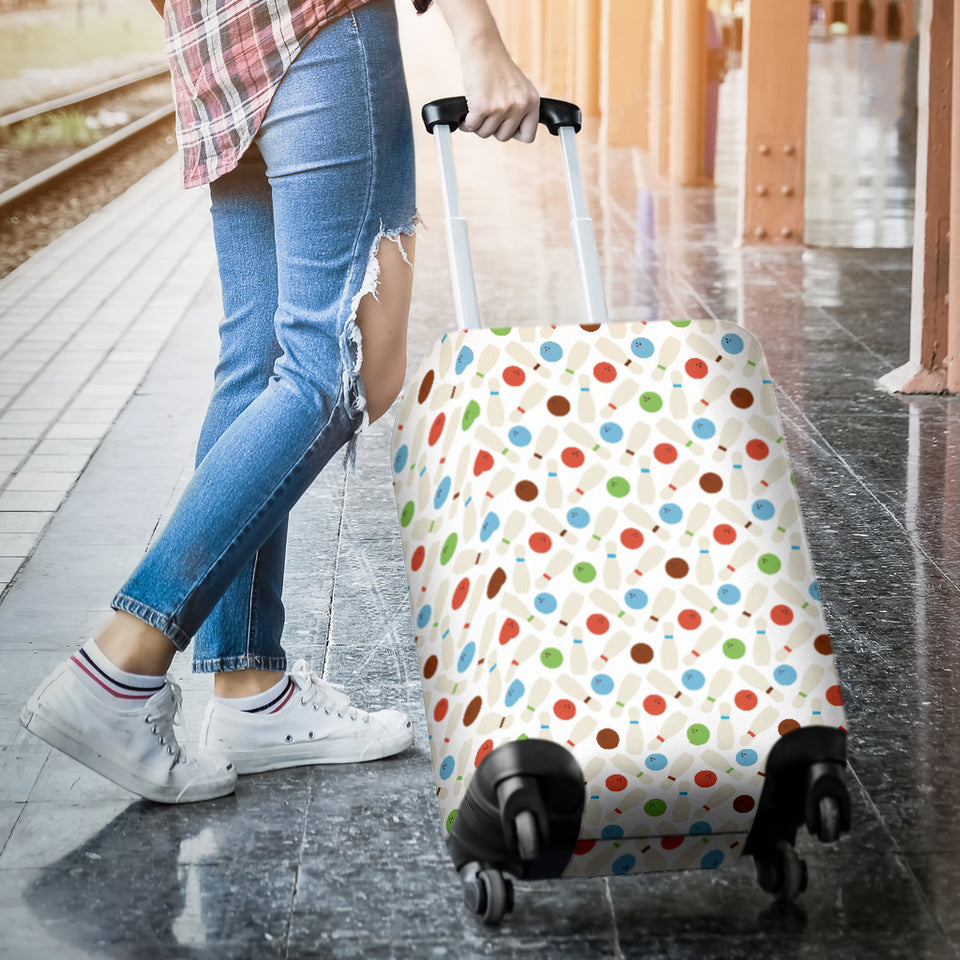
{"x":136,"y":750}
{"x":314,"y":723}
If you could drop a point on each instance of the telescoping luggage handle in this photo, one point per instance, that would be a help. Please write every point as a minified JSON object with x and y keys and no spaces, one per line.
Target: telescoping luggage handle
{"x":561,"y":119}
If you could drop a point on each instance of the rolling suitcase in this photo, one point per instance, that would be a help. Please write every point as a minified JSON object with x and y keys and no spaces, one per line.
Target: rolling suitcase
{"x":624,"y":658}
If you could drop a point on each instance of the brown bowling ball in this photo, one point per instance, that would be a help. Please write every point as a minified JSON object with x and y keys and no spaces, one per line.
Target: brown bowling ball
{"x":744,"y":803}
{"x":711,"y":483}
{"x":425,"y":384}
{"x":526,"y":490}
{"x":641,"y":653}
{"x":590,"y":327}
{"x":742,"y":398}
{"x":473,"y":709}
{"x":497,"y":579}
{"x":786,"y":726}
{"x":677,"y":568}
{"x":558,"y":406}
{"x":823,"y":645}
{"x":430,"y":667}
{"x":608,"y":739}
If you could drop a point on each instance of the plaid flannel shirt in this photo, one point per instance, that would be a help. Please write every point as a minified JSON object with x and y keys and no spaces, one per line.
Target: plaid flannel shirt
{"x":227,"y":58}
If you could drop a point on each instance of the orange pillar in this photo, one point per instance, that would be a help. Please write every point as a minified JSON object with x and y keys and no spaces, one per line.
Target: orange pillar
{"x":880,"y":19}
{"x":908,"y":20}
{"x":775,"y":61}
{"x":586,"y":56}
{"x":688,"y":92}
{"x":622,"y":71}
{"x":556,"y":48}
{"x":664,"y":28}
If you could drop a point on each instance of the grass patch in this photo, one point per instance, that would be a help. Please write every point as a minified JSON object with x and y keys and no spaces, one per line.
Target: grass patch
{"x":66,"y":128}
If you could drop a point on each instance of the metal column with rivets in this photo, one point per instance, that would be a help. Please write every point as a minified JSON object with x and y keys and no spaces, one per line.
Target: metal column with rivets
{"x":775,"y":60}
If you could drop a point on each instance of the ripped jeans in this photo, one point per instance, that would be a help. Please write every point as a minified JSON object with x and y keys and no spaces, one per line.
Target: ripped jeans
{"x":297,"y":226}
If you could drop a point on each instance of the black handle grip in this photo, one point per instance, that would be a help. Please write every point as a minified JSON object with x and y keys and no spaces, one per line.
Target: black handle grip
{"x":452,"y":111}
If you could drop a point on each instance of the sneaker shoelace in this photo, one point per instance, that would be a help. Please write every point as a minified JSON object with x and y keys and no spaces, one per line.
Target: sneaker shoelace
{"x":163,"y":717}
{"x":323,"y":695}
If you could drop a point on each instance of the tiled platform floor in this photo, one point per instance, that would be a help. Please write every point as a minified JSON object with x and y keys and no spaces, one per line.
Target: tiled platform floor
{"x":348,"y":862}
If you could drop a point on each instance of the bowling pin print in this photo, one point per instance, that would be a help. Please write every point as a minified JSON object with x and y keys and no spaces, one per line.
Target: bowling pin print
{"x":623,"y":393}
{"x":467,"y":560}
{"x":543,"y":442}
{"x":645,"y":485}
{"x":629,"y":686}
{"x":661,"y":682}
{"x":559,"y":562}
{"x":764,"y":687}
{"x":586,"y":408}
{"x":519,"y":610}
{"x":612,"y":351}
{"x":616,"y":614}
{"x":495,"y":413}
{"x":648,"y":562}
{"x":737,"y":479}
{"x":615,"y":645}
{"x":634,"y":740}
{"x":722,"y":764}
{"x":669,"y":657}
{"x":574,"y":359}
{"x":761,"y":643}
{"x":800,"y":635}
{"x":764,"y":719}
{"x":524,"y":358}
{"x":588,"y":480}
{"x":552,"y":488}
{"x":592,"y":769}
{"x":496,"y":443}
{"x":678,"y":399}
{"x":697,"y":517}
{"x":530,"y":399}
{"x":523,"y":653}
{"x":741,"y":557}
{"x":702,"y":602}
{"x":796,"y":561}
{"x":607,"y":517}
{"x":681,"y":477}
{"x":585,"y":440}
{"x":492,"y":722}
{"x":737,"y":518}
{"x":716,"y":388}
{"x":636,"y":438}
{"x":578,"y":656}
{"x":788,"y":516}
{"x":728,"y":436}
{"x":778,"y":469}
{"x":725,"y":732}
{"x":510,"y":532}
{"x":808,"y":683}
{"x":662,"y":603}
{"x":668,"y":353}
{"x":640,"y":518}
{"x":521,"y":572}
{"x":708,"y":639}
{"x":755,"y":597}
{"x":489,"y":357}
{"x":674,"y":723}
{"x":678,"y":436}
{"x":681,"y":805}
{"x":503,"y":481}
{"x":718,"y":686}
{"x":791,"y":595}
{"x":576,"y":692}
{"x":536,"y":695}
{"x":709,"y":351}
{"x":611,"y":569}
{"x":548,"y":521}
{"x":718,"y":797}
{"x":766,"y":429}
{"x":570,"y":608}
{"x":704,"y":565}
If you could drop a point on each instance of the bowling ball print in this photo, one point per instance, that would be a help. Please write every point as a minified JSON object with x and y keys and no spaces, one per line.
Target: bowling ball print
{"x":608,"y":739}
{"x":618,"y":487}
{"x":671,"y":843}
{"x":519,"y":436}
{"x":823,"y":645}
{"x":671,"y":513}
{"x":781,"y":615}
{"x":601,"y":684}
{"x":584,"y":572}
{"x":451,"y":817}
{"x":472,"y":711}
{"x":400,"y":458}
{"x":485,"y":748}
{"x":448,"y":549}
{"x":728,"y":594}
{"x":763,"y":509}
{"x":744,"y":803}
{"x":466,"y":656}
{"x":526,"y":490}
{"x":509,"y":630}
{"x":423,"y":617}
{"x":677,"y":568}
{"x":654,"y":704}
{"x":711,"y":483}
{"x":733,"y":648}
{"x":705,"y":779}
{"x":557,"y":405}
{"x":551,"y":658}
{"x":703,"y":429}
{"x":443,"y":490}
{"x":460,"y":593}
{"x":642,"y":347}
{"x":500,"y":331}
{"x":650,"y":402}
{"x":655,"y":762}
{"x":436,"y":428}
{"x":834,"y":696}
{"x":787,"y":726}
{"x":447,"y":766}
{"x":665,"y":453}
{"x":590,"y":327}
{"x":746,"y":757}
{"x":655,"y":808}
{"x":631,"y":538}
{"x":698,"y":734}
{"x":605,"y":372}
{"x":545,"y":603}
{"x":616,"y":782}
{"x":696,"y":368}
{"x":470,"y":413}
{"x":565,"y":709}
{"x":440,"y":710}
{"x":551,"y":351}
{"x":490,"y":523}
{"x":597,"y":624}
{"x":815,"y":591}
{"x":572,"y":457}
{"x":741,"y":398}
{"x":689,"y":619}
{"x":464,"y":359}
{"x":641,"y":653}
{"x":623,"y":864}
{"x":540,"y":542}
{"x":724,"y":534}
{"x":416,"y":561}
{"x":406,"y":514}
{"x":693,"y":679}
{"x":757,"y":450}
{"x":700,"y":829}
{"x":785,"y":675}
{"x":426,"y":385}
{"x":430,"y":667}
{"x":731,"y":343}
{"x":745,"y":700}
{"x":514,"y":692}
{"x":578,"y":517}
{"x":769,"y":564}
{"x":711,"y":860}
{"x":680,"y":323}
{"x":513,"y":376}
{"x":611,"y":831}
{"x":635,"y":598}
{"x":583,"y":846}
{"x":611,"y":433}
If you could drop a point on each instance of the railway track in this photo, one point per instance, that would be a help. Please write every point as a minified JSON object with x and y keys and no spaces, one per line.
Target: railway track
{"x":37,"y":183}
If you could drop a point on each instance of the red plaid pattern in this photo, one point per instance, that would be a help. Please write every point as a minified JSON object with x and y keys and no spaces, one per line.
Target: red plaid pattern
{"x":227,"y":58}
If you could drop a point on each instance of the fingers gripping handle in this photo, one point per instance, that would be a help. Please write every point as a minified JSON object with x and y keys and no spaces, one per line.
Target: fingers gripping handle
{"x":562,"y":119}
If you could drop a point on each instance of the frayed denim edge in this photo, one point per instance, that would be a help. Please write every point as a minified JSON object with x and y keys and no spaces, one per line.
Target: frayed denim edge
{"x":351,"y":341}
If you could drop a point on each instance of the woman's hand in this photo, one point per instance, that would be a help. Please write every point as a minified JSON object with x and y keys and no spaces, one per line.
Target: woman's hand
{"x":502,"y":101}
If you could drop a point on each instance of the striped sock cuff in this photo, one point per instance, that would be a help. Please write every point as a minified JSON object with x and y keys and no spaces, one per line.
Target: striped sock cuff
{"x":271,"y":700}
{"x":93,"y":666}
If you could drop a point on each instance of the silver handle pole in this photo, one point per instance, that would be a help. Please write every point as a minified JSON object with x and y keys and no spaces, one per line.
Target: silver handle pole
{"x":458,"y":242}
{"x":581,"y":231}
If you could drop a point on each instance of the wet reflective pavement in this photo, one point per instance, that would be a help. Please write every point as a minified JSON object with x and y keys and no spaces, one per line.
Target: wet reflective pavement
{"x":348,"y":862}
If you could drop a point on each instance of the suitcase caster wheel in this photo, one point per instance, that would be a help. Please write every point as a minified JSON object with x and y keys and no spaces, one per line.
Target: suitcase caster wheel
{"x":783,"y":874}
{"x":488,"y":895}
{"x":528,"y":836}
{"x":828,"y":819}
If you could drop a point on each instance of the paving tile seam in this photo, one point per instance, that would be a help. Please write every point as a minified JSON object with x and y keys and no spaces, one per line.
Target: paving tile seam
{"x":299,"y":864}
{"x":325,"y":663}
{"x":608,"y":896}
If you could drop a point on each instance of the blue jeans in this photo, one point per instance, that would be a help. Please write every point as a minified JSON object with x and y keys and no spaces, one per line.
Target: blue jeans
{"x":297,"y":225}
